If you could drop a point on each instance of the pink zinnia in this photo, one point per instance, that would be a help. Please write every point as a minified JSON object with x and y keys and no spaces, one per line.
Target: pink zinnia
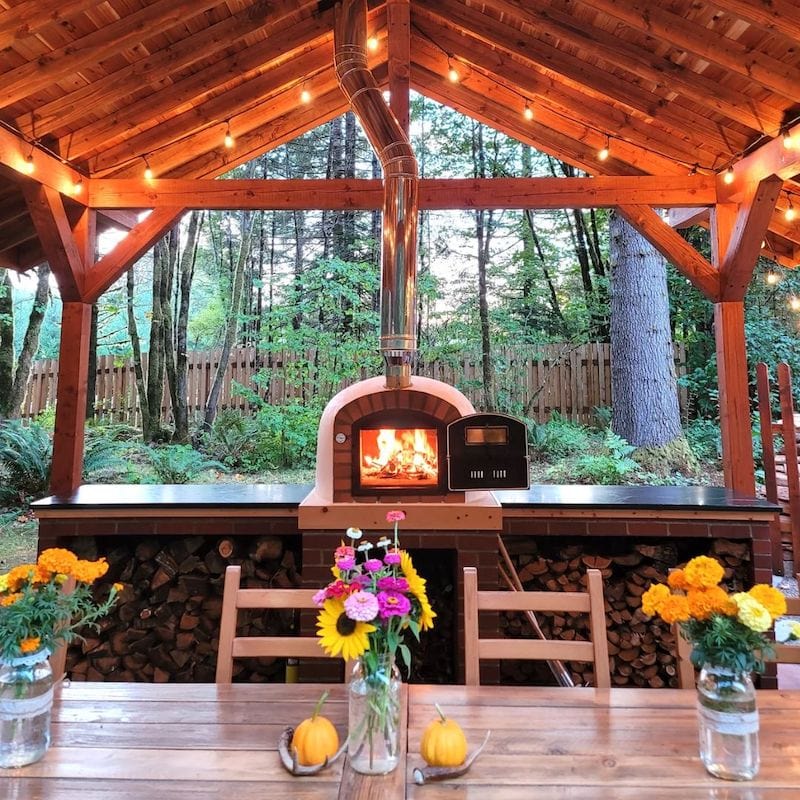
{"x":343,"y":551}
{"x":391,"y":558}
{"x":320,"y":597}
{"x":347,"y":562}
{"x":393,"y":604}
{"x":361,"y":606}
{"x":395,"y":516}
{"x":373,"y":564}
{"x":390,"y":584}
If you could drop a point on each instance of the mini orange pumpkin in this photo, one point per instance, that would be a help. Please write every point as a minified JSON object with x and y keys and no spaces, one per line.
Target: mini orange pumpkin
{"x":315,"y":739}
{"x":443,"y":742}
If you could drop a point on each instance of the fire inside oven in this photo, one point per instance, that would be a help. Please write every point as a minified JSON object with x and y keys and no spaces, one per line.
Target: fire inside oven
{"x":399,"y":458}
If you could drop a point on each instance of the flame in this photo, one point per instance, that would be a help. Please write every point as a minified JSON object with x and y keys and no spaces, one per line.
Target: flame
{"x":404,"y":457}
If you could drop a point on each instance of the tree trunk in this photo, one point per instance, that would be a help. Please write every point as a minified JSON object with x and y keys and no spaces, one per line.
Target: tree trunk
{"x":155,"y":360}
{"x":644,"y":391}
{"x":136,"y":350}
{"x":6,"y":342}
{"x":30,"y":344}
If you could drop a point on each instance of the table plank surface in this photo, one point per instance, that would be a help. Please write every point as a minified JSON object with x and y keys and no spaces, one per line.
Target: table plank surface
{"x":591,"y":744}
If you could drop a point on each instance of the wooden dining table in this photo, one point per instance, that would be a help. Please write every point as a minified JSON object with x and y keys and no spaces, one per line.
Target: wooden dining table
{"x":123,"y":741}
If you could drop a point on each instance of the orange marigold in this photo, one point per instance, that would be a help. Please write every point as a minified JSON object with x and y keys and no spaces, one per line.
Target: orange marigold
{"x":89,"y":571}
{"x":675,"y":608}
{"x":57,"y":560}
{"x":677,"y":580}
{"x":653,"y":598}
{"x":705,"y":602}
{"x":10,"y":599}
{"x":30,"y":645}
{"x":24,"y":573}
{"x":769,"y":597}
{"x":703,"y":572}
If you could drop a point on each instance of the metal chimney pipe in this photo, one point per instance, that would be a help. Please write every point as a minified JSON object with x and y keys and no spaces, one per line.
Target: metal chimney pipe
{"x":400,"y":187}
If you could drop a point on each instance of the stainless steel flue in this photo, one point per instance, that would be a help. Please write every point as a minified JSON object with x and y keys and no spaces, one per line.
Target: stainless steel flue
{"x":400,"y":185}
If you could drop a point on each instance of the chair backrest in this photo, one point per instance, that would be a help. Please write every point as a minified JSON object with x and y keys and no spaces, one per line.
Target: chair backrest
{"x":232,"y":646}
{"x":590,"y":602}
{"x":784,"y":653}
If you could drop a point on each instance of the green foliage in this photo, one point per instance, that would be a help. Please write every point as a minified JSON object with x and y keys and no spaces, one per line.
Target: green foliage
{"x":558,"y":438}
{"x":705,"y":439}
{"x":601,"y":416}
{"x":26,"y":453}
{"x":179,"y":463}
{"x":290,"y":434}
{"x":726,"y":642}
{"x":240,"y":443}
{"x":610,"y":463}
{"x":105,"y":456}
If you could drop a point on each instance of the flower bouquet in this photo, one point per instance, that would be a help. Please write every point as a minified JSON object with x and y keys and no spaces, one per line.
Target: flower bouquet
{"x":36,"y":616}
{"x":375,"y":597}
{"x":727,"y":632}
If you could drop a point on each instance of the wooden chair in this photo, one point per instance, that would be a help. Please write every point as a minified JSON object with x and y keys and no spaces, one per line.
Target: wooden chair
{"x":232,"y":646}
{"x":592,"y":602}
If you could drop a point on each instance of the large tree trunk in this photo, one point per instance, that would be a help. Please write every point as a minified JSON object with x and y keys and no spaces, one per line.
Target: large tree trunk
{"x":30,"y":344}
{"x":136,"y":350}
{"x":154,"y":391}
{"x":6,"y":342}
{"x":644,"y":392}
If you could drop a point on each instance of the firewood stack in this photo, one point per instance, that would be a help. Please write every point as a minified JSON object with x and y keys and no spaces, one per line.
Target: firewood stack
{"x":641,"y":649}
{"x":165,"y":625}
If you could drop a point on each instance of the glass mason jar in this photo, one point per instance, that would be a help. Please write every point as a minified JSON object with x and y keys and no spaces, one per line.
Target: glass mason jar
{"x":728,"y":723}
{"x":26,"y":698}
{"x":373,"y":747}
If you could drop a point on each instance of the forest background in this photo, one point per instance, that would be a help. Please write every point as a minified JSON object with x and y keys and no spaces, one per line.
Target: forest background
{"x":492,"y":285}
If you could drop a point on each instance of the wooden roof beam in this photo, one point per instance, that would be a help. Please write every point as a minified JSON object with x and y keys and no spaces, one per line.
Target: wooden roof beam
{"x":598,"y":192}
{"x":674,"y":248}
{"x":49,"y":171}
{"x":29,"y":17}
{"x":651,"y":19}
{"x":752,"y":220}
{"x":773,"y":16}
{"x":686,"y":217}
{"x":108,"y":40}
{"x":398,"y":17}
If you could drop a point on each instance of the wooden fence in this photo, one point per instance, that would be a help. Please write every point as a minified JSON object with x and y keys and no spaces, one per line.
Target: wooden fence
{"x":555,"y":377}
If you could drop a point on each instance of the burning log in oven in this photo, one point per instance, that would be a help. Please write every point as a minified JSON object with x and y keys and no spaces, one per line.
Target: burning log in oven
{"x":399,"y":457}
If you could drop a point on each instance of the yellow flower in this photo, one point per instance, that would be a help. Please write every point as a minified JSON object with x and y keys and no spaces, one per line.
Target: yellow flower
{"x":674,"y":608}
{"x":705,"y":602}
{"x":89,"y":571}
{"x":340,"y":635}
{"x":4,"y":582}
{"x":416,"y":586}
{"x":769,"y":597}
{"x":677,"y":580}
{"x":794,"y":632}
{"x":30,"y":645}
{"x":57,"y":559}
{"x":653,"y":598}
{"x":118,"y":587}
{"x":751,"y":613}
{"x":703,"y":572}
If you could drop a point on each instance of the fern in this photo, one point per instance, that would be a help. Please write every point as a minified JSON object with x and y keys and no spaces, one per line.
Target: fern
{"x":180,"y":464}
{"x":26,"y":453}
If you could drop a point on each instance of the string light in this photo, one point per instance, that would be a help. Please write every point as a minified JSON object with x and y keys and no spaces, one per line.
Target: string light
{"x":788,"y":141}
{"x":372,"y":43}
{"x":305,"y":96}
{"x":794,"y":303}
{"x":772,"y":278}
{"x":527,"y":112}
{"x":604,"y":152}
{"x":148,"y":173}
{"x":77,"y":187}
{"x":452,"y":73}
{"x":229,"y":140}
{"x":728,"y":175}
{"x":790,"y":213}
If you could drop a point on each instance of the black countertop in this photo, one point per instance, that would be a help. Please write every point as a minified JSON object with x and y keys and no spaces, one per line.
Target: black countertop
{"x":289,"y":495}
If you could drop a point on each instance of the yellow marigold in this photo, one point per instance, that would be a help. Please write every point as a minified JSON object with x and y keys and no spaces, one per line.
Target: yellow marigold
{"x":4,"y":583}
{"x":703,"y":572}
{"x":705,"y":602}
{"x":10,"y":599}
{"x":118,"y":587}
{"x":751,"y":613}
{"x":653,"y":598}
{"x":677,"y":580}
{"x":89,"y":571}
{"x":30,"y":645}
{"x":675,"y":608}
{"x":57,"y":560}
{"x":769,"y":597}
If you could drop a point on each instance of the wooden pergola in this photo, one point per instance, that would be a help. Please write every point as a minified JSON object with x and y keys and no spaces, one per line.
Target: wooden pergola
{"x":680,"y":92}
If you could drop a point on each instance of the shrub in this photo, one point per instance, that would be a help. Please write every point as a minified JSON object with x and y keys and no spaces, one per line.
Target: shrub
{"x":705,"y":439}
{"x":560,"y":438}
{"x":26,"y":453}
{"x":104,"y":457}
{"x":610,"y":464}
{"x":291,"y":433}
{"x":180,"y":463}
{"x":238,"y":442}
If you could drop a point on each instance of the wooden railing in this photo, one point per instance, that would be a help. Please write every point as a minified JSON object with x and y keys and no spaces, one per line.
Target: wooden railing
{"x":554,"y":377}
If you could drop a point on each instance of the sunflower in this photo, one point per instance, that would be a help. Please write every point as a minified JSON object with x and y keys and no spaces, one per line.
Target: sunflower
{"x":416,"y":586}
{"x":338,"y":634}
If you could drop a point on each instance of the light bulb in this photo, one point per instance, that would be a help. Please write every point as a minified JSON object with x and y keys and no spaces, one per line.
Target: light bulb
{"x":527,"y":112}
{"x":772,"y":278}
{"x":28,"y":167}
{"x":788,"y":140}
{"x":305,"y":96}
{"x":603,"y":153}
{"x":728,"y":177}
{"x":372,"y":43}
{"x":229,"y":140}
{"x":452,"y":75}
{"x":790,"y":213}
{"x":794,"y":303}
{"x":148,"y":173}
{"x":77,"y":186}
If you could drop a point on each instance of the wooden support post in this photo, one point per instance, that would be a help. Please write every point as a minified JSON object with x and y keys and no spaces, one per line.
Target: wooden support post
{"x":734,"y":395}
{"x":399,"y":44}
{"x":73,"y":362}
{"x":790,"y":452}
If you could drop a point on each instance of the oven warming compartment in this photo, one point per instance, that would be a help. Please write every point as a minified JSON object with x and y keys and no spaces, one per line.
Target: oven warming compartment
{"x":487,"y":451}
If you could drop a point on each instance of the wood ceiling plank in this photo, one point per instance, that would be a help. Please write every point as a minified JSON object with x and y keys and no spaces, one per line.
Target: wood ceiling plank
{"x":599,"y":192}
{"x":34,"y":76}
{"x":23,"y":257}
{"x":218,"y":79}
{"x":752,"y":220}
{"x":649,"y":18}
{"x":28,"y":18}
{"x":665,"y":132}
{"x":508,"y":37}
{"x":774,"y":16}
{"x":55,"y":234}
{"x":674,"y":248}
{"x":398,"y":13}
